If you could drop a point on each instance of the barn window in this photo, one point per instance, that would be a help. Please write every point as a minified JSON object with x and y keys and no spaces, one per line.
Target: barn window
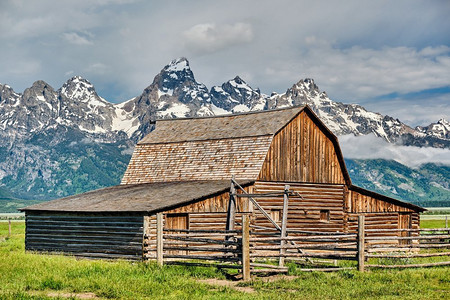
{"x":177,"y":221}
{"x":275,"y":214}
{"x":325,"y":215}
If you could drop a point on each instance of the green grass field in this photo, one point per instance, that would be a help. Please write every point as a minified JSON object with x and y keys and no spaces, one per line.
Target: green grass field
{"x":36,"y":276}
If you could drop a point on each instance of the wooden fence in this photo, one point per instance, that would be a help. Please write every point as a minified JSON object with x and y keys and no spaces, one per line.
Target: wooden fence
{"x":255,"y":251}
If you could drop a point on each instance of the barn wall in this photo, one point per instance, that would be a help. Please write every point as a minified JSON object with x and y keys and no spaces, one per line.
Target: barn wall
{"x":302,"y":152}
{"x":305,"y":213}
{"x":383,"y":220}
{"x":360,"y":203}
{"x":197,"y":160}
{"x":92,"y":235}
{"x":210,"y":213}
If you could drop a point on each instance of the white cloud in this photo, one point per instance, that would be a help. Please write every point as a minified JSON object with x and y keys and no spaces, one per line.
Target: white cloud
{"x":76,"y":39}
{"x":372,"y":147}
{"x":358,"y":72}
{"x":210,"y":37}
{"x":355,"y":51}
{"x":97,"y":68}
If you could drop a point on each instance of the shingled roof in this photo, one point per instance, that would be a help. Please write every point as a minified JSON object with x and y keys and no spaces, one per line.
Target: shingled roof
{"x":146,"y":198}
{"x":208,"y":148}
{"x":249,"y":124}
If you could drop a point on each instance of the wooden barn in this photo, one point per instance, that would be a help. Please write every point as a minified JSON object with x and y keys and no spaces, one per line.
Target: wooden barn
{"x":184,"y":168}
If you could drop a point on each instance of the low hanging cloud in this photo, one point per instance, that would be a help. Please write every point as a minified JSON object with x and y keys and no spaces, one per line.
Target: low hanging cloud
{"x":211,"y":37}
{"x":372,"y":147}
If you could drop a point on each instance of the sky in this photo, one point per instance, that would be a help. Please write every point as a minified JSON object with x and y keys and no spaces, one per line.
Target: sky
{"x":392,"y":57}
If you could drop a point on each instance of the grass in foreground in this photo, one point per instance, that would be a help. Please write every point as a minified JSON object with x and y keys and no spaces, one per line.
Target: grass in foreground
{"x":34,"y":276}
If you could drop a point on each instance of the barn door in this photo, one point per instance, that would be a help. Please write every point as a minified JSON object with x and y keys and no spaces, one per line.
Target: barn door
{"x":177,"y":221}
{"x":404,"y":222}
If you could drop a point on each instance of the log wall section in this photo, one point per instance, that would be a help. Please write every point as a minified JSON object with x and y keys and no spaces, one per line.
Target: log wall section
{"x":359,"y":203}
{"x":210,"y":214}
{"x":90,"y":235}
{"x":305,"y":213}
{"x":302,"y":152}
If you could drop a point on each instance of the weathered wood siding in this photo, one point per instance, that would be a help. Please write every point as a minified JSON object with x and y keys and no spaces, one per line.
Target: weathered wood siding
{"x":359,"y":203}
{"x":91,"y":235}
{"x":383,"y":220}
{"x":210,"y":213}
{"x":303,"y":214}
{"x":302,"y":152}
{"x":197,"y":160}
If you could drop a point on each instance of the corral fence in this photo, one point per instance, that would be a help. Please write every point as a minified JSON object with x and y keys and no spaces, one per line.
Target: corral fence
{"x":253,"y":249}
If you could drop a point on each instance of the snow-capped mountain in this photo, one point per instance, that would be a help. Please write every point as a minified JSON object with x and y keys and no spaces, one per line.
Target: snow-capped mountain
{"x":56,"y":142}
{"x":175,"y":93}
{"x":237,"y":96}
{"x":441,"y":129}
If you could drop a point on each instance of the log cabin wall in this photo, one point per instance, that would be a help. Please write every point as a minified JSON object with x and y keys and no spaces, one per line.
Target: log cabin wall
{"x":91,"y":235}
{"x":210,"y":213}
{"x":302,"y":152}
{"x":380,"y":214}
{"x":321,"y":208}
{"x":360,"y":203}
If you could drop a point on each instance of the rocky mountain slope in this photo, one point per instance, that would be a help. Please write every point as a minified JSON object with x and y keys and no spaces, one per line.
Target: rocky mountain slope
{"x":55,"y":143}
{"x":428,"y":185}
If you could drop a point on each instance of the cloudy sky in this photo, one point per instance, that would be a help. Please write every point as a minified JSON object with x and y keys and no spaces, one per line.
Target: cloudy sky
{"x":392,"y":57}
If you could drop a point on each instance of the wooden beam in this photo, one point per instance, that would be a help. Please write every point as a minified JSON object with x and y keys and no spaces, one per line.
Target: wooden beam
{"x":284,"y":223}
{"x":361,"y":243}
{"x":246,"y":247}
{"x":231,"y":212}
{"x":255,"y":203}
{"x":159,"y":239}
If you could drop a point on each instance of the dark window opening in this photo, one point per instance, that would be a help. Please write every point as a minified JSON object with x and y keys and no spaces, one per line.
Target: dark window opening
{"x":325,"y":215}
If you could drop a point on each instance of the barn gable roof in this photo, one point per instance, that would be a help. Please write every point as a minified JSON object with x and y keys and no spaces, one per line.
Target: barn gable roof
{"x":207,"y":148}
{"x":145,"y":198}
{"x":214,"y":148}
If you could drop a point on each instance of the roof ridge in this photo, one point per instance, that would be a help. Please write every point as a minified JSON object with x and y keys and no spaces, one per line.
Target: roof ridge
{"x":234,"y":114}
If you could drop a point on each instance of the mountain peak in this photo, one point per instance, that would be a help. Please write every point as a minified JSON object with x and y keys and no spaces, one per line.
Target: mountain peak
{"x":177,"y":65}
{"x":40,"y":84}
{"x":443,"y":122}
{"x":238,"y":80}
{"x":80,"y":89}
{"x":307,"y":84}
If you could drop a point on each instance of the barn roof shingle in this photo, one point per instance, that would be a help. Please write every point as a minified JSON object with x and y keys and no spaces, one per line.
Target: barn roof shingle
{"x":220,"y":127}
{"x":146,"y":197}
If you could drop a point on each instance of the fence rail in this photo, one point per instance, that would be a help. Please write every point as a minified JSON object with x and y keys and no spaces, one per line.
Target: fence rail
{"x":246,"y":247}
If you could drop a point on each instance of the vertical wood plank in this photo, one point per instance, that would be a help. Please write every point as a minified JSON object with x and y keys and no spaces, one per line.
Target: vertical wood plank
{"x":159,"y":239}
{"x":144,"y":235}
{"x":284,"y":223}
{"x":361,"y":243}
{"x":231,"y":213}
{"x":245,"y":247}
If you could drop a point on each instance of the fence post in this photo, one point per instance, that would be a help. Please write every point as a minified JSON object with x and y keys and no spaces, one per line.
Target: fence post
{"x":9,"y":228}
{"x":231,"y":212}
{"x":283,"y":225}
{"x":245,"y":247}
{"x":361,"y":249}
{"x":159,"y":239}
